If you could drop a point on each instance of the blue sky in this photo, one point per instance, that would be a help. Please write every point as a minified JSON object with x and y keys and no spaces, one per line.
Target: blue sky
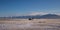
{"x":23,"y":7}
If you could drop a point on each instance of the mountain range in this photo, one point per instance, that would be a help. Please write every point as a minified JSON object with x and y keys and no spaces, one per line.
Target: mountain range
{"x":47,"y":16}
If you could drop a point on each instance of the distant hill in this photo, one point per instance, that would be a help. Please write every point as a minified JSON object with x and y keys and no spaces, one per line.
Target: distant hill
{"x":47,"y":16}
{"x":50,"y":16}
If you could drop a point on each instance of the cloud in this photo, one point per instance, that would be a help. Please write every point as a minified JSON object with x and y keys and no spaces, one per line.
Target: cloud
{"x":30,"y":13}
{"x":58,"y":14}
{"x":37,"y":13}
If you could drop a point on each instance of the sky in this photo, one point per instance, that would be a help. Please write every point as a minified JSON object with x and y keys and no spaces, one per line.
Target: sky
{"x":28,"y":7}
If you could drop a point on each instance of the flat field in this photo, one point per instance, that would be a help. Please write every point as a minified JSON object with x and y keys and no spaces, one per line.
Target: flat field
{"x":25,"y":24}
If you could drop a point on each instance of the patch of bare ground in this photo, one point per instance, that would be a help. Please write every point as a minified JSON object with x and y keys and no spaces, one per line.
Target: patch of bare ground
{"x":25,"y":24}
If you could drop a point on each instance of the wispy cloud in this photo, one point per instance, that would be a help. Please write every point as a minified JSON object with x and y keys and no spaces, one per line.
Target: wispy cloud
{"x":38,"y":13}
{"x":30,"y":13}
